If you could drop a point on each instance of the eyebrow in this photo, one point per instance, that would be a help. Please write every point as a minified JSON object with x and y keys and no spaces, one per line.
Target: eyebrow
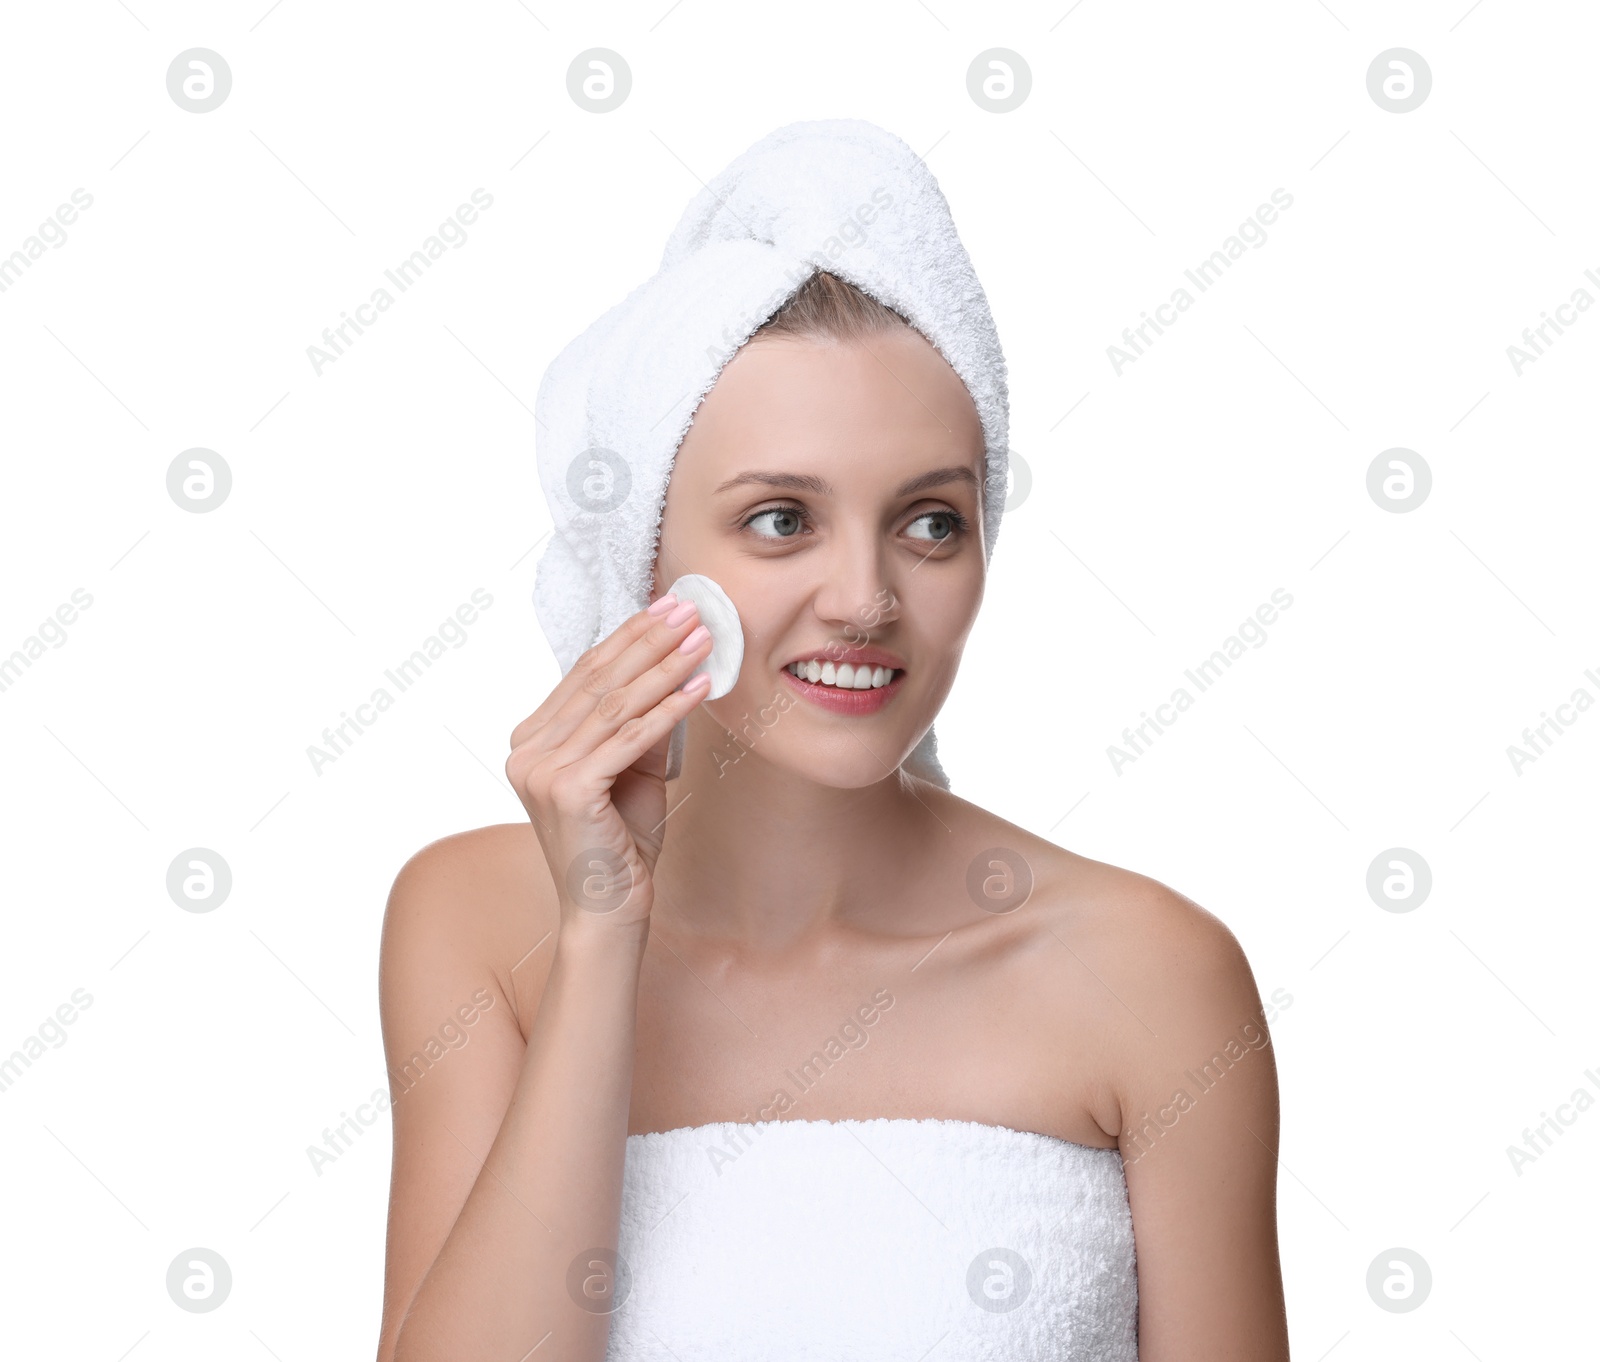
{"x":809,"y":482}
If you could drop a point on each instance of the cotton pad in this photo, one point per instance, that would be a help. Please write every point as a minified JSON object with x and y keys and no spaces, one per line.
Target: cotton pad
{"x":721,"y":618}
{"x":719,"y":615}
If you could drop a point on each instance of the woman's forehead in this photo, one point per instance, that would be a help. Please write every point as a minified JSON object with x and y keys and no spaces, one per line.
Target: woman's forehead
{"x":890,"y":398}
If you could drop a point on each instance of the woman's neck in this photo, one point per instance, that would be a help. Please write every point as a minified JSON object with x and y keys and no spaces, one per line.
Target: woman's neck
{"x":762,"y":857}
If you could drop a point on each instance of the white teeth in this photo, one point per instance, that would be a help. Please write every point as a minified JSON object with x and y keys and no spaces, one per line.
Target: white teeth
{"x":844,"y":676}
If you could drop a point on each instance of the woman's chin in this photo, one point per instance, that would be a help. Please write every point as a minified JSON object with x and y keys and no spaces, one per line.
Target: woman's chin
{"x":789,"y":732}
{"x":839,"y":762}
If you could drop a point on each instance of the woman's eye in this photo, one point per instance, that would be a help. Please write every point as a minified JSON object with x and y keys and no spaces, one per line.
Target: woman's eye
{"x":789,"y":521}
{"x":946,"y":524}
{"x":786,"y":516}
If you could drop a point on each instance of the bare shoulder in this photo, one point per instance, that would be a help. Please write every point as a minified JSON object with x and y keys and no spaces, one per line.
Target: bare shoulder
{"x":1177,"y":1006}
{"x":1155,"y":980}
{"x":1184,"y":1075}
{"x":1138,"y":922}
{"x":1175,"y":969}
{"x":1116,"y":911}
{"x":455,"y":1008}
{"x":485,"y":894}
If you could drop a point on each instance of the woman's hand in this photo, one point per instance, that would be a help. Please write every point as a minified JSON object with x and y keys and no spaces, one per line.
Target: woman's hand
{"x":590,"y":763}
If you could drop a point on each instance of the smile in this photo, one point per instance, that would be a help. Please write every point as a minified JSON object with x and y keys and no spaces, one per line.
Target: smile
{"x":844,"y":689}
{"x":843,"y":676}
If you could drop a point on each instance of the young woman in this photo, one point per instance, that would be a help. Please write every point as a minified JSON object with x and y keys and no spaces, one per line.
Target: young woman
{"x":651,"y":1142}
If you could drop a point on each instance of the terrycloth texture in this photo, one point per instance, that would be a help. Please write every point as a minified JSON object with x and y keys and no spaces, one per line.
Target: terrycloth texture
{"x":842,"y":195}
{"x":856,"y":1241}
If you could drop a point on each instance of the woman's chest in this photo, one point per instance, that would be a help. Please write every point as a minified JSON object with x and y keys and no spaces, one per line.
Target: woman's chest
{"x":891,"y":1034}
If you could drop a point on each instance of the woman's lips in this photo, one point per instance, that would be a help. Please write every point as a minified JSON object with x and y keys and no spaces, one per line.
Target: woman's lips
{"x":841,"y":701}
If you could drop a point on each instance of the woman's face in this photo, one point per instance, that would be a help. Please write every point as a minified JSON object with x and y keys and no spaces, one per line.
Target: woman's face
{"x":833,"y":490}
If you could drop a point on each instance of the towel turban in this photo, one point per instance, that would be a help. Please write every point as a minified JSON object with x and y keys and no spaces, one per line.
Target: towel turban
{"x":841,"y":195}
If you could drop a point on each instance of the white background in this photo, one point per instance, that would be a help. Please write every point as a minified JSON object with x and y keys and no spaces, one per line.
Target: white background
{"x":1167,"y":503}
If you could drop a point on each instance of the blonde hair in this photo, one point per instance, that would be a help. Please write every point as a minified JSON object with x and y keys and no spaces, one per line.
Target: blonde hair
{"x":831,"y":308}
{"x":828,"y":306}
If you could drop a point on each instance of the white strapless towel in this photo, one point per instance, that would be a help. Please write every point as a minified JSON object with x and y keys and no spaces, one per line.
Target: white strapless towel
{"x":895,"y":1238}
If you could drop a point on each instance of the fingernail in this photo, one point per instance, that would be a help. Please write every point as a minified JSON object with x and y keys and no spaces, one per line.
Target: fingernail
{"x":681,"y":614}
{"x":694,"y":640}
{"x":663,"y":605}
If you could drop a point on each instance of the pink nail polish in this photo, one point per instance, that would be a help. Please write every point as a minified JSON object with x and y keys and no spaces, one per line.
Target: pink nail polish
{"x":699,"y":636}
{"x":663,"y":605}
{"x":681,"y":614}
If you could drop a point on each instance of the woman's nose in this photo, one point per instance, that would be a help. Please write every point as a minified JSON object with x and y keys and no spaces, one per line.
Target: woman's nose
{"x":855,"y":586}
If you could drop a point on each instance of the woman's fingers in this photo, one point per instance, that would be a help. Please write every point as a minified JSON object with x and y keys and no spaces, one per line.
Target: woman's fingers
{"x":638,"y":698}
{"x":600,"y":691}
{"x":595,"y":672}
{"x":572,"y":783}
{"x":611,"y":646}
{"x":636,"y":736}
{"x":592,"y":717}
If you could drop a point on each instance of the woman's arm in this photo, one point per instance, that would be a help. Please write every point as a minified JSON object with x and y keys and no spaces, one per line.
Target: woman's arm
{"x":1198,"y":1088}
{"x":496,"y":1260}
{"x":507,"y":1156}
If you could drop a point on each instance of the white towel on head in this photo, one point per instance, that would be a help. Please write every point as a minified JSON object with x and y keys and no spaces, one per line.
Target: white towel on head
{"x":841,"y":195}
